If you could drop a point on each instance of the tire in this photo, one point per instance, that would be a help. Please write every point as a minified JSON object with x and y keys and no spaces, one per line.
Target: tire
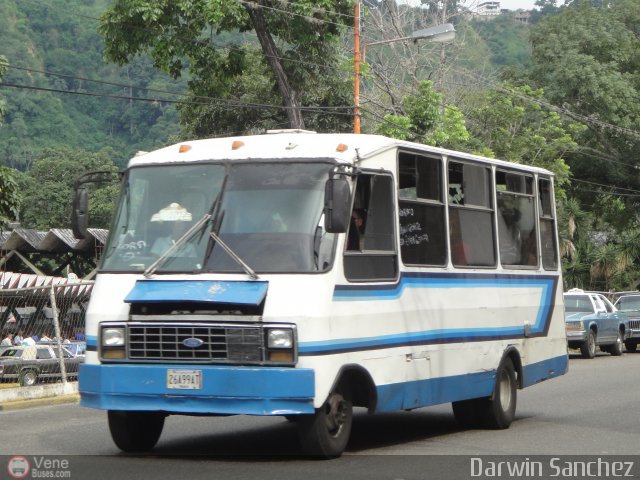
{"x":135,"y":431}
{"x":588,"y":348}
{"x":631,"y":346}
{"x":616,"y":348}
{"x":326,"y":433}
{"x":28,"y":378}
{"x":468,"y":413}
{"x":499,"y":410}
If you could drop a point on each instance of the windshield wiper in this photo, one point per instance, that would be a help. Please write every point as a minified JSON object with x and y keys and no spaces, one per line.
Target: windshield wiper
{"x":178,"y":243}
{"x":247,"y":269}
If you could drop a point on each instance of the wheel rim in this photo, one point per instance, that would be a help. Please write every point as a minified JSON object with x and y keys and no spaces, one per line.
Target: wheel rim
{"x":592,"y":344}
{"x":335,"y":414}
{"x":505,"y":390}
{"x":29,"y":378}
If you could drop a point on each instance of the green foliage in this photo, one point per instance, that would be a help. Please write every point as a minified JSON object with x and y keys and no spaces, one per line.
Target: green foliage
{"x":48,"y":186}
{"x":506,"y":39}
{"x":9,"y":191}
{"x":205,"y":38}
{"x":9,"y":197}
{"x":42,"y":36}
{"x":516,"y":128}
{"x":585,"y":57}
{"x":427,"y":120}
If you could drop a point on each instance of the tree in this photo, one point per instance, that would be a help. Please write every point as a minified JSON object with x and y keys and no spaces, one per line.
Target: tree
{"x":210,"y":39}
{"x":514,"y":125}
{"x":9,"y":192}
{"x":586,"y":60}
{"x":425,"y":121}
{"x":48,"y":187}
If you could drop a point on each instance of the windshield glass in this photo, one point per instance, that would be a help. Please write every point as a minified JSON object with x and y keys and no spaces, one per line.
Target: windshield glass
{"x":629,"y":303}
{"x":269,"y":214}
{"x":577,"y":304}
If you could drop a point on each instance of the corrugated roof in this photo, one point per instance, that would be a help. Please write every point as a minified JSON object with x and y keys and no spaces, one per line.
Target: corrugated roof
{"x":38,"y":285}
{"x":56,"y":240}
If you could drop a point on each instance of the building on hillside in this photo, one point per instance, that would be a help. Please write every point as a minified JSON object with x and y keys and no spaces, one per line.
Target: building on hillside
{"x":522,"y":16}
{"x":488,"y":9}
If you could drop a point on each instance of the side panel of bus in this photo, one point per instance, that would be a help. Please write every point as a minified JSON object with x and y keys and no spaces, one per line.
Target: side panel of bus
{"x":434,"y":334}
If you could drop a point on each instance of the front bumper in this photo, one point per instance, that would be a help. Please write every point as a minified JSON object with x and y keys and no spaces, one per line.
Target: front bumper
{"x":226,"y":390}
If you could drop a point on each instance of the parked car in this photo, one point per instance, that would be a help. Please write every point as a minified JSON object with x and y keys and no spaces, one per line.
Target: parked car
{"x":29,"y":364}
{"x":592,"y":321}
{"x":629,"y":303}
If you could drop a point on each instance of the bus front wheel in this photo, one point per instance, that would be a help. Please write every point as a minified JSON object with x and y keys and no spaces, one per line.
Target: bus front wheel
{"x":326,"y":433}
{"x":135,"y":431}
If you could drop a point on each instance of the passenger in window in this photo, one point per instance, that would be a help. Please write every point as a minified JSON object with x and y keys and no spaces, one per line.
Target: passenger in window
{"x":530,"y":249}
{"x":355,"y":238}
{"x":460,"y":251}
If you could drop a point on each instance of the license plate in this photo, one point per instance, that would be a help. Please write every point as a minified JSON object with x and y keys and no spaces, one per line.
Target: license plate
{"x":184,"y":379}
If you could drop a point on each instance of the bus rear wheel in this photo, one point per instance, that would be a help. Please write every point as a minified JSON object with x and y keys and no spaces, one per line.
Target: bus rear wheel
{"x":135,"y":431}
{"x":499,"y":409}
{"x":326,"y":433}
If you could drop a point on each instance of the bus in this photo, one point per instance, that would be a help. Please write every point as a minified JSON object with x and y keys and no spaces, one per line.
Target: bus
{"x":302,"y":274}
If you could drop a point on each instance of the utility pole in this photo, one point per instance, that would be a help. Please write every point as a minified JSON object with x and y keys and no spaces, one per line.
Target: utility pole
{"x":356,"y":69}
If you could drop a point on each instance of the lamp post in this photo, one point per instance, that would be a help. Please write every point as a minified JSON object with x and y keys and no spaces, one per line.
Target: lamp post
{"x":440,"y":33}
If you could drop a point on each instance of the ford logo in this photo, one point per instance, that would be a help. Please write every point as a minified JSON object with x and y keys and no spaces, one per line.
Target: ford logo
{"x":192,"y":342}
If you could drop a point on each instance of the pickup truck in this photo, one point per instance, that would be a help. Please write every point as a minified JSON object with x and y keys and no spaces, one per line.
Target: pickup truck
{"x":30,"y":364}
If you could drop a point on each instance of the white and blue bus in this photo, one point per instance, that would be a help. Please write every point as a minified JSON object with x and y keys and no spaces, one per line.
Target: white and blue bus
{"x":302,"y":274}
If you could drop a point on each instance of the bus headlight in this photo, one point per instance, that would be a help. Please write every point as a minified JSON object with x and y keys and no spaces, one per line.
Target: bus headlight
{"x":280,"y":338}
{"x":112,"y":342}
{"x":113,"y":337}
{"x":281,"y":345}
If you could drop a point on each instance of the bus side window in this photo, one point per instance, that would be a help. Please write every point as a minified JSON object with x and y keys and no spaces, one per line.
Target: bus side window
{"x":548,"y":248}
{"x":421,"y":210}
{"x":517,"y":231}
{"x":471,"y":230}
{"x":376,"y":257}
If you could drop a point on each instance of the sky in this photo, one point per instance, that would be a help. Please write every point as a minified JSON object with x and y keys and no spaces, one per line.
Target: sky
{"x":508,"y":4}
{"x":516,"y":4}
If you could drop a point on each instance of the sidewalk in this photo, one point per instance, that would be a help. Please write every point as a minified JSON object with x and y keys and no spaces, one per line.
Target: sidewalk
{"x":14,"y":397}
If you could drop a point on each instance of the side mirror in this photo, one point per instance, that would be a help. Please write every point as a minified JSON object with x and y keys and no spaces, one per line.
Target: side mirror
{"x":80,"y":213}
{"x":337,"y":203}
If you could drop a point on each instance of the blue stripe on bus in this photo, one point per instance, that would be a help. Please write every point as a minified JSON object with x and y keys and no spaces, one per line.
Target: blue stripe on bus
{"x":224,"y":389}
{"x":546,"y":283}
{"x":92,"y":343}
{"x":434,"y":391}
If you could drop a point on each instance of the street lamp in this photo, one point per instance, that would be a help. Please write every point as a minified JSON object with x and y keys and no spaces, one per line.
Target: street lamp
{"x":440,"y":33}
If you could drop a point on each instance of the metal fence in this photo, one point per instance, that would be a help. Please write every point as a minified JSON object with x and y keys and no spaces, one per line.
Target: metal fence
{"x":42,"y":330}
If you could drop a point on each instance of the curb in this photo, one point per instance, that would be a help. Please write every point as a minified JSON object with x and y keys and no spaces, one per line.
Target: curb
{"x":39,"y":402}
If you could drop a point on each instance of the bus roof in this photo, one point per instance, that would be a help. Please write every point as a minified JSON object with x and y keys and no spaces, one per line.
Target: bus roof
{"x":289,"y":144}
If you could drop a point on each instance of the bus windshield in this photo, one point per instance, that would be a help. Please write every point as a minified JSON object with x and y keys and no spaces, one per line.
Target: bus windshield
{"x":268,"y":214}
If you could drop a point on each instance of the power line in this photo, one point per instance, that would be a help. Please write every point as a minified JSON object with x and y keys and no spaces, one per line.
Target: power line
{"x":550,"y":106}
{"x":634,"y":192}
{"x":312,"y":20}
{"x":220,"y":101}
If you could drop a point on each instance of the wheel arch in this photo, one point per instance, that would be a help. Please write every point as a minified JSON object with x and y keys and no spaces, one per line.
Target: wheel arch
{"x":362,"y":388}
{"x":513,"y":354}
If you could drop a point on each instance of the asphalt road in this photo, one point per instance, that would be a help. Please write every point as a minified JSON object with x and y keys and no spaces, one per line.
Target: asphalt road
{"x":593,"y":410}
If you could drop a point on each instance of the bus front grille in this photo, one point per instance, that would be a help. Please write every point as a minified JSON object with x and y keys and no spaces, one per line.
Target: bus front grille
{"x":201,"y":343}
